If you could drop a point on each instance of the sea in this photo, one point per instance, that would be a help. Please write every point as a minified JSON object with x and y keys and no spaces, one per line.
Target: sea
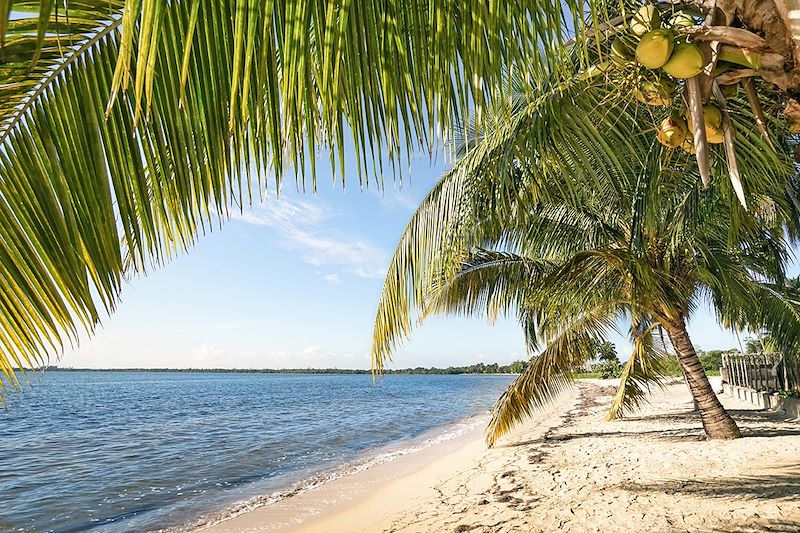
{"x":173,"y":451}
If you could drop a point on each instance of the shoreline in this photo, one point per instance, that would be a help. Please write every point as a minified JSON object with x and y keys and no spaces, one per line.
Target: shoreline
{"x":397,"y":457}
{"x":567,"y":469}
{"x":404,"y":480}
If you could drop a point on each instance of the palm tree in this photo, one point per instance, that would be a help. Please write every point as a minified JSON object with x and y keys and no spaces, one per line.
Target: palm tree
{"x":535,"y":221}
{"x":130,"y":127}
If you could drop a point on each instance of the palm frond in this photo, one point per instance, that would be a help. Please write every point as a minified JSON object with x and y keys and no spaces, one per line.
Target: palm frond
{"x":548,"y":374}
{"x":646,"y":366}
{"x":474,"y":200}
{"x":127,"y":128}
{"x":487,"y":282}
{"x":37,"y":42}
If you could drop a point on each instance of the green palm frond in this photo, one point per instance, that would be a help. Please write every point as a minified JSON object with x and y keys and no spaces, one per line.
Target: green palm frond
{"x":487,"y":282}
{"x":548,"y":374}
{"x":128,"y":128}
{"x":646,"y":366}
{"x":38,"y":39}
{"x":473,"y":201}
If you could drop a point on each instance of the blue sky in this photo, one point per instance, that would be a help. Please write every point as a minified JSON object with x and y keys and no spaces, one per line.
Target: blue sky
{"x":294,"y":283}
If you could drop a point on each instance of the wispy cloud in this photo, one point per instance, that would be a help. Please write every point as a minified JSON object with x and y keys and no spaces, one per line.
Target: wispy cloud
{"x":399,"y":200}
{"x":306,"y":227}
{"x":333,"y":279}
{"x":210,"y":356}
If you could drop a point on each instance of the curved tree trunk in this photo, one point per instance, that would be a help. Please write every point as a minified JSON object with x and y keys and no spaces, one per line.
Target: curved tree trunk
{"x":717,"y":423}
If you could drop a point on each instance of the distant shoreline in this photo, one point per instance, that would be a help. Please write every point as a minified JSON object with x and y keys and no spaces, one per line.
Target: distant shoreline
{"x":501,"y":371}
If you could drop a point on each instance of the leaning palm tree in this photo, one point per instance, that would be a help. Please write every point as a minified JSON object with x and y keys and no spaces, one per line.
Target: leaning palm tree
{"x":535,"y":222}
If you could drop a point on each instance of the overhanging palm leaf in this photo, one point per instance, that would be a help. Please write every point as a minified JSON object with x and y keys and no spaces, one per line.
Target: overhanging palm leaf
{"x":97,"y":182}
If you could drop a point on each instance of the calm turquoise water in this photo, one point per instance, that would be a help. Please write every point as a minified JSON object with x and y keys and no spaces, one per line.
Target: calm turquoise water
{"x":131,"y":451}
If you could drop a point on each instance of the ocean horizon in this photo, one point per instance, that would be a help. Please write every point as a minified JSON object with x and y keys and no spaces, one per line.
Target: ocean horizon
{"x":144,"y":451}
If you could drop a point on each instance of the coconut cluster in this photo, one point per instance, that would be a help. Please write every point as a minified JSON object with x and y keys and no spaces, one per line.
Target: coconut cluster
{"x":675,"y":131}
{"x":654,"y":43}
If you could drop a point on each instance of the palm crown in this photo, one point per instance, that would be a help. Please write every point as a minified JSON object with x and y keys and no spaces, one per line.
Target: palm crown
{"x":536,"y":222}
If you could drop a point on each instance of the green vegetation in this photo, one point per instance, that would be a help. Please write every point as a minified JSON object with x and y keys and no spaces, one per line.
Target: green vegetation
{"x":539,"y":220}
{"x":711,"y":362}
{"x":128,"y":128}
{"x":480,"y":368}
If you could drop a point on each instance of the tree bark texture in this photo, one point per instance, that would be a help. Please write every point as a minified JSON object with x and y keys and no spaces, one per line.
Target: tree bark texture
{"x":717,"y":423}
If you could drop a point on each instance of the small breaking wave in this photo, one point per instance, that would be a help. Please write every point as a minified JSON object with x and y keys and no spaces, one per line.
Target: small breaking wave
{"x":370,"y":459}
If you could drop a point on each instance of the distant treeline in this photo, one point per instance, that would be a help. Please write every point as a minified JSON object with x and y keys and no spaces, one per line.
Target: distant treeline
{"x":514,"y":368}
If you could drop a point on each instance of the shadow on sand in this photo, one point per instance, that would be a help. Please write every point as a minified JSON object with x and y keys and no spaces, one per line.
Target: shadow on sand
{"x":780,"y":484}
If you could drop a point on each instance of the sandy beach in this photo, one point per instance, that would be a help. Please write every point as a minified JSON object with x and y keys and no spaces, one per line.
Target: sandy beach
{"x":567,"y":469}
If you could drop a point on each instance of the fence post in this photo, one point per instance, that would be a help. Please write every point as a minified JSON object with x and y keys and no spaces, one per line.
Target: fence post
{"x":743,"y":372}
{"x":767,"y":372}
{"x":785,"y":374}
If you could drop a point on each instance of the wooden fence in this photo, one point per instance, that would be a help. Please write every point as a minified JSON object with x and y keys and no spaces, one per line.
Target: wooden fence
{"x":761,"y":371}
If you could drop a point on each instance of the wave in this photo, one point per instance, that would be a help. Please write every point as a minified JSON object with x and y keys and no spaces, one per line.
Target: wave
{"x":368,"y":460}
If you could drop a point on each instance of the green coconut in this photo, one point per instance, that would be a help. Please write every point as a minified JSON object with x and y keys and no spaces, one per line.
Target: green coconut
{"x":672,"y":132}
{"x":681,"y":19}
{"x":622,"y":52}
{"x":645,"y":19}
{"x":712,"y":118}
{"x":685,"y":62}
{"x":656,"y":93}
{"x":655,"y":48}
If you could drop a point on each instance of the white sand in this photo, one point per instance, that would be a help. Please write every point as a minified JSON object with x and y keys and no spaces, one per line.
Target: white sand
{"x":569,"y":470}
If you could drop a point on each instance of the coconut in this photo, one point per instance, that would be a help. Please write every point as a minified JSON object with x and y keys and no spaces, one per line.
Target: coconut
{"x":655,"y":48}
{"x":645,"y":19}
{"x":672,"y":132}
{"x":656,"y":93}
{"x":715,"y":135}
{"x":688,"y":144}
{"x":685,"y":62}
{"x":712,"y":118}
{"x":621,"y":51}
{"x":681,"y":19}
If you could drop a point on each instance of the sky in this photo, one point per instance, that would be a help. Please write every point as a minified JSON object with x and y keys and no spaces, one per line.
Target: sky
{"x":294,"y":283}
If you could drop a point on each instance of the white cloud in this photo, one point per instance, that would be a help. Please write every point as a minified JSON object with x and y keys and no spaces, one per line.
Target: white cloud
{"x":398,"y":200}
{"x":304,"y":227}
{"x":127,"y":353}
{"x":333,"y":279}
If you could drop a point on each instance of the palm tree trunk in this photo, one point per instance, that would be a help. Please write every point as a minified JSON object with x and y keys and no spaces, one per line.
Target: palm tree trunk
{"x":717,"y":423}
